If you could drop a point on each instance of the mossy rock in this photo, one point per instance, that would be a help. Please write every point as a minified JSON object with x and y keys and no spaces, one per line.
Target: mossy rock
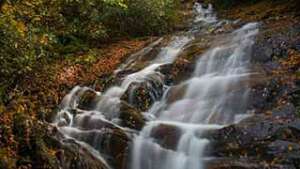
{"x":131,"y":117}
{"x":88,"y":100}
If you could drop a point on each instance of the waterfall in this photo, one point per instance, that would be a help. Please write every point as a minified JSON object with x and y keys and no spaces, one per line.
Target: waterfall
{"x":110,"y":100}
{"x":215,"y":96}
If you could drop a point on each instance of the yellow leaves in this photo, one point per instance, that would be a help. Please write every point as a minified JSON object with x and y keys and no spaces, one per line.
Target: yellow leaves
{"x":21,"y":28}
{"x":269,"y":113}
{"x":20,"y":108}
{"x":120,"y":3}
{"x":30,"y":4}
{"x":2,"y":108}
{"x":7,"y":9}
{"x":37,"y":19}
{"x":44,"y":39}
{"x":52,"y":152}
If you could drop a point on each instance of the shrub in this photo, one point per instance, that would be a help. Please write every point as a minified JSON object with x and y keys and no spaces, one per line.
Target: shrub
{"x":151,"y":17}
{"x":225,"y":4}
{"x":34,"y":32}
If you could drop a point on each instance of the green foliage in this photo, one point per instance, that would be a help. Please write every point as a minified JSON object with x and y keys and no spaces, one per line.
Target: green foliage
{"x":225,"y":4}
{"x":142,"y":17}
{"x":35,"y":32}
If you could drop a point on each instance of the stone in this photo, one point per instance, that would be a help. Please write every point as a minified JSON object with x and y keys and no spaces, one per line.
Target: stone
{"x":142,"y":95}
{"x":112,"y":143}
{"x":88,"y":100}
{"x":166,"y":136}
{"x":269,"y":137}
{"x":131,"y":117}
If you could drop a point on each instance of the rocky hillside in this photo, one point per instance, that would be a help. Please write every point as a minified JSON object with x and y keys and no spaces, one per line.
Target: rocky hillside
{"x":270,"y":138}
{"x":267,"y":139}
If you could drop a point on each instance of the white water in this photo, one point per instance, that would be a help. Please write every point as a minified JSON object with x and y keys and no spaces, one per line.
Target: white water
{"x":215,"y":96}
{"x":110,"y":100}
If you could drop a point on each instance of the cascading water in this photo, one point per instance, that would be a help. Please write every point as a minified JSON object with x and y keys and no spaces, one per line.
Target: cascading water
{"x":110,"y":100}
{"x":214,"y":96}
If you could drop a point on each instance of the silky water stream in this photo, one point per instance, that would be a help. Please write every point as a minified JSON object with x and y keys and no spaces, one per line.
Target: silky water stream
{"x":214,"y":96}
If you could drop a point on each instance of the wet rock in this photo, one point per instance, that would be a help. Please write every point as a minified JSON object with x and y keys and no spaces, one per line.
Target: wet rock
{"x":230,"y":163}
{"x":142,"y":95}
{"x":182,"y":69}
{"x":88,"y":100}
{"x":243,"y":163}
{"x":270,"y":66}
{"x":262,"y":53}
{"x":259,"y":136}
{"x":127,"y":116}
{"x":185,"y":63}
{"x":69,"y":154}
{"x":286,"y":111}
{"x":64,"y":119}
{"x":297,"y":46}
{"x":266,"y":48}
{"x":166,"y":136}
{"x":131,"y":117}
{"x":285,"y":152}
{"x":175,"y":93}
{"x":167,"y":71}
{"x":280,"y":147}
{"x":178,"y":71}
{"x":74,"y":156}
{"x":295,"y":95}
{"x":142,"y":58}
{"x":90,"y":121}
{"x":262,"y":96}
{"x":112,"y":143}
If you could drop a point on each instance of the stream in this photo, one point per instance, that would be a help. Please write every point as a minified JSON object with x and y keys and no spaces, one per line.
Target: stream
{"x":215,"y":95}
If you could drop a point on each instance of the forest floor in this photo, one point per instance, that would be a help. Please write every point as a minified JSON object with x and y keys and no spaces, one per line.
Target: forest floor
{"x":36,"y":97}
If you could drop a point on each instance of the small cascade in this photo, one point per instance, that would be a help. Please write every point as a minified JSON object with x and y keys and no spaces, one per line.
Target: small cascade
{"x":215,"y":96}
{"x":147,"y":153}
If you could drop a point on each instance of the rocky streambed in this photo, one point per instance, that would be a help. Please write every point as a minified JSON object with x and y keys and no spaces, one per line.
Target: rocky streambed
{"x":99,"y":129}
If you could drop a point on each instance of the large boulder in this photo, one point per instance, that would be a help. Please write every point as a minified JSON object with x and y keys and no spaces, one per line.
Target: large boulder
{"x":111,"y":143}
{"x":58,"y":152}
{"x":142,"y":95}
{"x":273,"y":137}
{"x":75,"y":156}
{"x":272,"y":44}
{"x":166,"y":135}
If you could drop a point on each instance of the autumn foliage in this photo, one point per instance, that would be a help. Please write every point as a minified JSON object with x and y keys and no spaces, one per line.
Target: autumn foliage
{"x":37,"y":32}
